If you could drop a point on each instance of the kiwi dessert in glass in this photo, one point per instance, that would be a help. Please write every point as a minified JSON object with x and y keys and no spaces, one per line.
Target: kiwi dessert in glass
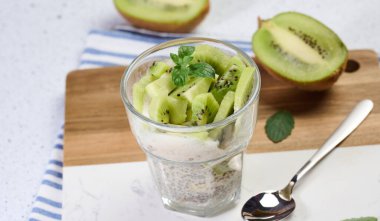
{"x":192,"y":107}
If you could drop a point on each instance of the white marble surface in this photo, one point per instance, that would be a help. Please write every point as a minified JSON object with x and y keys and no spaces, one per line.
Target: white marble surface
{"x":346,"y":184}
{"x":41,"y":40}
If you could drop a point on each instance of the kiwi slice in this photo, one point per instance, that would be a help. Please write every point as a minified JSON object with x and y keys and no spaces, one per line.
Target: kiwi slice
{"x":226,"y":106}
{"x":225,"y":109}
{"x":204,"y":109}
{"x":218,"y":59}
{"x":195,"y":87}
{"x":160,"y":87}
{"x":165,"y":109}
{"x":244,"y":88}
{"x":158,"y":68}
{"x":138,"y":95}
{"x":159,"y":110}
{"x":228,"y":81}
{"x":179,"y":91}
{"x":164,"y":15}
{"x":300,"y":50}
{"x":178,"y":110}
{"x":236,"y":60}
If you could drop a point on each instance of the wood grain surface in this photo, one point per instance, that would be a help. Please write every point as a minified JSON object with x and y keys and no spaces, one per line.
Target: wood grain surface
{"x":97,"y":130}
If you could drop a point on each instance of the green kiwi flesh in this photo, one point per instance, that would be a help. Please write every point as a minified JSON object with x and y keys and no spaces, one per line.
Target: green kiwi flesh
{"x":244,"y":88}
{"x":228,"y":81}
{"x":178,"y":110}
{"x":139,"y":91}
{"x":300,"y":50}
{"x":159,"y":110}
{"x":160,"y":87}
{"x":165,"y":109}
{"x":226,"y":106}
{"x":157,"y":97}
{"x":158,"y":68}
{"x":204,"y":109}
{"x":193,"y":88}
{"x":215,"y":57}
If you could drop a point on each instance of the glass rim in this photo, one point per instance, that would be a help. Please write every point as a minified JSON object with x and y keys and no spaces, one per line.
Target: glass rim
{"x":180,"y":128}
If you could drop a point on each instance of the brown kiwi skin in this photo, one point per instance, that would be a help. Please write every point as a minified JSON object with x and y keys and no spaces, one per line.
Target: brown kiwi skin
{"x":168,"y":27}
{"x":321,"y":85}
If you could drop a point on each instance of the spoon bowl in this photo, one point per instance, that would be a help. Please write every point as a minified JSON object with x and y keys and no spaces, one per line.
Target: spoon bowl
{"x":269,"y":205}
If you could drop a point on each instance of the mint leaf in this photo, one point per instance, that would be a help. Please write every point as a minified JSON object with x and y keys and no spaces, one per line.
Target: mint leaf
{"x":179,"y":75}
{"x":175,"y":58}
{"x":202,"y":69}
{"x":183,"y":69}
{"x":279,"y":126}
{"x":185,"y":51}
{"x":362,"y":219}
{"x":186,"y":60}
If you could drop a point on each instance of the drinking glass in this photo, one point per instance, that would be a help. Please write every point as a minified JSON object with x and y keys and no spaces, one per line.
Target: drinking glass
{"x":197,"y":169}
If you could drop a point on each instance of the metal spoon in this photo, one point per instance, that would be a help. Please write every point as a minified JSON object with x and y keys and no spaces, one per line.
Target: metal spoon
{"x":276,"y":205}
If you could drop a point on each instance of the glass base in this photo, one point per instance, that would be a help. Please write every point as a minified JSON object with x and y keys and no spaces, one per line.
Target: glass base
{"x":204,"y":211}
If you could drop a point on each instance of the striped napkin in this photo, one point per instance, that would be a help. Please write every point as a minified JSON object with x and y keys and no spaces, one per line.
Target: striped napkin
{"x":103,"y":48}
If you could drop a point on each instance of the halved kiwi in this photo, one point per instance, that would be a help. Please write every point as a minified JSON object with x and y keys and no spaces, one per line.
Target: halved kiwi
{"x":164,"y":15}
{"x":300,"y":50}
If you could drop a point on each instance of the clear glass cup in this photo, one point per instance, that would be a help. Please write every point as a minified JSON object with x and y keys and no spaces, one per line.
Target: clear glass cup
{"x":197,"y":169}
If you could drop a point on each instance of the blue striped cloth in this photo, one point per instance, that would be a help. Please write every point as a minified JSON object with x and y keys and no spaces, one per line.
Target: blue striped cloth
{"x":103,"y":48}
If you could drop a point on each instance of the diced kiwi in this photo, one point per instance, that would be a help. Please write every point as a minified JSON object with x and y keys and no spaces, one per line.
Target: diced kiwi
{"x":204,"y":108}
{"x":158,"y":68}
{"x":237,"y":60}
{"x":193,"y":88}
{"x":139,"y":92}
{"x":164,"y":15}
{"x":226,"y":106}
{"x":214,"y":56}
{"x":228,"y":81}
{"x":300,"y":50}
{"x":179,"y":91}
{"x":159,"y":110}
{"x":165,"y":109}
{"x":225,"y":109}
{"x":160,"y":87}
{"x":178,"y":108}
{"x":244,"y":88}
{"x":189,"y":113}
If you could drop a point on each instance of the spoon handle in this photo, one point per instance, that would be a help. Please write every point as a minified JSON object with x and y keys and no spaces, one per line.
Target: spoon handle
{"x":352,"y":121}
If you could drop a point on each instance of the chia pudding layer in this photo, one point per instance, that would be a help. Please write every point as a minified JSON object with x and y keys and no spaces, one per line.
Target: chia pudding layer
{"x":196,"y":185}
{"x":192,"y":172}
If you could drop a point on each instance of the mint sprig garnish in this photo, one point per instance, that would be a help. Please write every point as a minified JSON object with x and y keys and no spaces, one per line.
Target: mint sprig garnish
{"x":183,"y":69}
{"x":279,"y":126}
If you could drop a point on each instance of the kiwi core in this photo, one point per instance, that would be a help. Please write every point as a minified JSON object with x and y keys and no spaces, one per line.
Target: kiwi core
{"x":293,"y":44}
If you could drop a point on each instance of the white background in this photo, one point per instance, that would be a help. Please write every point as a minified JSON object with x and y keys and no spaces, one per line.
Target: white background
{"x":40,"y":42}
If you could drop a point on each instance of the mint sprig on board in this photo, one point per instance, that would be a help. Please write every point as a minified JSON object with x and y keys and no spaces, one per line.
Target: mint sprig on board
{"x":183,"y":69}
{"x":279,"y":126}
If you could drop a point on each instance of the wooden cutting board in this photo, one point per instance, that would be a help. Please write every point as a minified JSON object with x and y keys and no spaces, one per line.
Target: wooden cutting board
{"x":97,"y":129}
